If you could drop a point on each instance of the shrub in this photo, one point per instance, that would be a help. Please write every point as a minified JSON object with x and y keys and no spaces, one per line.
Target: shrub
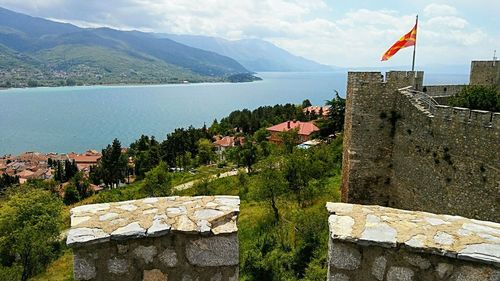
{"x":477,"y":97}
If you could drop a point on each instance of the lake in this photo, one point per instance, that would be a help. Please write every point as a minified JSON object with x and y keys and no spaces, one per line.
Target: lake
{"x":75,"y":119}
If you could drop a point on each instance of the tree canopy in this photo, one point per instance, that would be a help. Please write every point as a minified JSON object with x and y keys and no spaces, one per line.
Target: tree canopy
{"x":30,"y":222}
{"x":477,"y":97}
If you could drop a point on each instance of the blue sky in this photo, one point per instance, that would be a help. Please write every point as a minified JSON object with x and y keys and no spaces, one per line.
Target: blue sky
{"x":342,"y":32}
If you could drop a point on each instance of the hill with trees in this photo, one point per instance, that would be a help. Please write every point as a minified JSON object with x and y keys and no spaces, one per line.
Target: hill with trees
{"x":48,"y":53}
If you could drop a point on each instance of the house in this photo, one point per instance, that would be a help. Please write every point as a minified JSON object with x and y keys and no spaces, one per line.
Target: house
{"x":85,"y":160}
{"x":304,"y":130}
{"x":25,"y":175}
{"x":319,"y":111}
{"x":221,"y":144}
{"x":32,"y":157}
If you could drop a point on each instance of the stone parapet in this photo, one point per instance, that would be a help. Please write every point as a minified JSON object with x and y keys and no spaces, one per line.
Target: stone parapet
{"x":168,"y":238}
{"x":402,"y":150}
{"x":380,"y":243}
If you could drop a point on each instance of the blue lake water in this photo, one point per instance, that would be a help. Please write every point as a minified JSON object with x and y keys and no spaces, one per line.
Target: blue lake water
{"x":69,"y":119}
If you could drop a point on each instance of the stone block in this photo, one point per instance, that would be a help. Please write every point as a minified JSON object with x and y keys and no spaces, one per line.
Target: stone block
{"x":378,"y":267}
{"x":84,"y":268}
{"x":473,"y":273}
{"x":400,"y":274}
{"x":168,"y":257}
{"x":216,"y":277}
{"x":146,"y":254}
{"x":154,"y":275}
{"x":213,"y":251}
{"x":344,"y":256}
{"x":118,"y":266}
{"x":417,"y":261}
{"x":444,"y":270}
{"x":339,"y":277}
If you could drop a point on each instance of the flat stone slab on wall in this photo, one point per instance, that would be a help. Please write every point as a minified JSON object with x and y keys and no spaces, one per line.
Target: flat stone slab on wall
{"x":380,"y":243}
{"x":168,"y":238}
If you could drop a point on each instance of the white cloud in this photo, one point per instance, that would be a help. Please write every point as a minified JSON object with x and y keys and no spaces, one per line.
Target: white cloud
{"x":306,"y":28}
{"x":447,"y":22}
{"x":434,"y":9}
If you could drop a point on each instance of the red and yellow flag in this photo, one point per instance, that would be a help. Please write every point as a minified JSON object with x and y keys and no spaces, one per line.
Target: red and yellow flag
{"x":409,"y":39}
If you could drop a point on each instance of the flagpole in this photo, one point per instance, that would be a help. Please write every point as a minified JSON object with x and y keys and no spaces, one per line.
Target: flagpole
{"x":414,"y":46}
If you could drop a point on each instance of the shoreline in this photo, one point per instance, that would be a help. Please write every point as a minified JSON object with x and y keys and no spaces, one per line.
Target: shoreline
{"x":185,"y":82}
{"x":126,"y":85}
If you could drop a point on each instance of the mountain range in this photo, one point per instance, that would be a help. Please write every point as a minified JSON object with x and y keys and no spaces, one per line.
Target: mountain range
{"x":39,"y":52}
{"x":254,"y":54}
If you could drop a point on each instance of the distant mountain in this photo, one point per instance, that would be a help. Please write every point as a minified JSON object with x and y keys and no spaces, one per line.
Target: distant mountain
{"x":49,"y":53}
{"x":254,"y":54}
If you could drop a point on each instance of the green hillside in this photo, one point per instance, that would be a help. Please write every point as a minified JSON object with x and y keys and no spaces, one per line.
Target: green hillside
{"x":39,"y":52}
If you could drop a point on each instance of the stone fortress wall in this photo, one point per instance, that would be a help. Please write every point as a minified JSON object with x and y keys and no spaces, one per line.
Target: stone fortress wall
{"x":403,"y":151}
{"x":156,"y":239}
{"x":485,"y":73}
{"x":397,"y":153}
{"x":373,"y":243}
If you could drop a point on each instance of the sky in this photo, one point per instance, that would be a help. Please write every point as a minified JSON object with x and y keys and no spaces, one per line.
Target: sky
{"x":348,"y":33}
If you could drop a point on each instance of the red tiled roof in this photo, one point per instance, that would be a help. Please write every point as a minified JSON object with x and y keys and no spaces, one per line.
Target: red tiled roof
{"x":26,"y":174}
{"x":84,"y":158}
{"x":305,"y":128}
{"x":228,"y":141}
{"x":225,"y":141}
{"x":317,"y":109}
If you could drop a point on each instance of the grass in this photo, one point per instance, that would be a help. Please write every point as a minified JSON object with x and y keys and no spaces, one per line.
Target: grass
{"x":59,"y":270}
{"x":288,"y":240}
{"x":201,"y":173}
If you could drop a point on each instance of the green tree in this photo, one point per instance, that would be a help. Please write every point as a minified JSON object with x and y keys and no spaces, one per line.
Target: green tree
{"x":113,"y":164}
{"x":158,"y":181}
{"x":70,"y":169}
{"x":261,"y":135}
{"x":247,"y":155}
{"x":306,"y":103}
{"x":32,"y":83}
{"x":181,"y":141}
{"x":206,"y":152}
{"x":7,"y":181}
{"x":270,"y":184}
{"x":290,"y":139}
{"x":30,"y":221}
{"x":59,"y":172}
{"x":70,"y":82}
{"x":299,"y":169}
{"x":477,"y":97}
{"x":82,"y":185}
{"x":336,"y":113}
{"x":71,"y":195}
{"x":95,"y":175}
{"x":146,"y":154}
{"x":215,"y":128}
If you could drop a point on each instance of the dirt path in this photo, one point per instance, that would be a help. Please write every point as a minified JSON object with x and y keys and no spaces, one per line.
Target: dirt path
{"x":213,"y":177}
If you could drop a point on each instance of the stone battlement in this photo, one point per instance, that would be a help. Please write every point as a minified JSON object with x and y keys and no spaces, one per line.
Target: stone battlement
{"x":486,"y":119}
{"x":379,"y":243}
{"x":420,"y":156}
{"x":485,"y":73}
{"x":455,"y":115}
{"x":179,"y":238}
{"x":391,"y":79}
{"x":442,"y":90}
